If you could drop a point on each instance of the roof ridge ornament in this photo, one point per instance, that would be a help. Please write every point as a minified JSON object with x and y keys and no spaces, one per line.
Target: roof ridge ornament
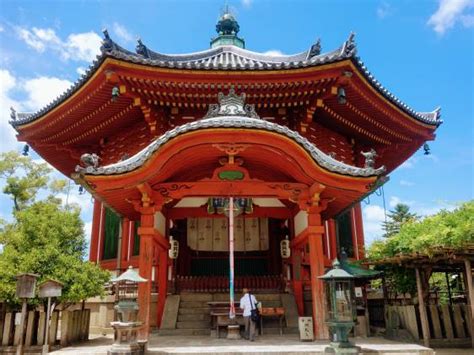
{"x":142,"y":49}
{"x":107,"y":43}
{"x":349,"y":48}
{"x":314,"y":50}
{"x":231,"y":105}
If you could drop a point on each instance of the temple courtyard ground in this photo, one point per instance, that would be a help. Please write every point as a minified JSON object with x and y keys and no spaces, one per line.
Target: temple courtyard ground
{"x":266,"y":344}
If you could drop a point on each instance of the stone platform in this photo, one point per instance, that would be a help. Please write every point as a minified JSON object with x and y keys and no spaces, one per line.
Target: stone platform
{"x":267,"y":344}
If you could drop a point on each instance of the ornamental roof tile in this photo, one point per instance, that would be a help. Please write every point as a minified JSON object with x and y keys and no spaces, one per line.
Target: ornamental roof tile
{"x":322,"y":159}
{"x":230,"y":58}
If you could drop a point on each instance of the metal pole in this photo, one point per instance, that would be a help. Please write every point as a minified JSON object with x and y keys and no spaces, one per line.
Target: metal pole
{"x":19,"y":348}
{"x":231,"y":258}
{"x":46,"y":336}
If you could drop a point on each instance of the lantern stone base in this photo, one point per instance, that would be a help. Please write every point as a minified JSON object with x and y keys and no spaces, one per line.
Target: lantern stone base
{"x":338,"y":348}
{"x":125,"y":339}
{"x":233,"y":332}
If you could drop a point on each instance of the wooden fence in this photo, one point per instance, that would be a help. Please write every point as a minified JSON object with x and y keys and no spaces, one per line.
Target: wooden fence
{"x":448,"y":324}
{"x":65,"y":328}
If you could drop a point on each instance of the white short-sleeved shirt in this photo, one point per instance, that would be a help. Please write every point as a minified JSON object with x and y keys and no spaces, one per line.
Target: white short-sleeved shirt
{"x":245,"y":304}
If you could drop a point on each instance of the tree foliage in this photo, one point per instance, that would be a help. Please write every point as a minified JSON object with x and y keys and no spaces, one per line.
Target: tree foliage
{"x":446,"y":229}
{"x":451,"y":229}
{"x":44,"y":237}
{"x":398,"y":217}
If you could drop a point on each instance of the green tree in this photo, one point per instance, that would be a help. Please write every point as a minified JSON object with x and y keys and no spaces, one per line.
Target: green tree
{"x":446,"y":229}
{"x":44,"y":237}
{"x":397,"y":217}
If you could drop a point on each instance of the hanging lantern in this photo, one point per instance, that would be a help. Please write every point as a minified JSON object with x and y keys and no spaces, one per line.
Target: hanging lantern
{"x":174,"y":248}
{"x":285,"y":250}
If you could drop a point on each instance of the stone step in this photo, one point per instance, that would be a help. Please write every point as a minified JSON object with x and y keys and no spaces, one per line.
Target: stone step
{"x":193,"y":297}
{"x":194,"y":325}
{"x":261,"y":297}
{"x":193,"y":304}
{"x":198,"y":310}
{"x":193,"y":317}
{"x":276,"y":330}
{"x":184,"y":332}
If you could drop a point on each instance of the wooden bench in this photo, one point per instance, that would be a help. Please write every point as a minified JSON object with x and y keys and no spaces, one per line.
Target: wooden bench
{"x":220,"y":315}
{"x":272,"y":312}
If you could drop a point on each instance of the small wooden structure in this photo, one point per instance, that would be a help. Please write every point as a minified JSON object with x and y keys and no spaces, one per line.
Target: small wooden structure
{"x":440,"y":318}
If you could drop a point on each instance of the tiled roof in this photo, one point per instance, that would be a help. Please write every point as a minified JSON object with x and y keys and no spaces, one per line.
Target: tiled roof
{"x":229,"y":122}
{"x":230,"y":58}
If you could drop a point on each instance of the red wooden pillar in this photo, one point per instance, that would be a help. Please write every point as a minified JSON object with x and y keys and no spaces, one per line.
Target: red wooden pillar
{"x":359,"y":228}
{"x":297,"y":281}
{"x":332,"y":239}
{"x":162,"y":284}
{"x":145,"y":264}
{"x":95,"y":232}
{"x":316,"y":262}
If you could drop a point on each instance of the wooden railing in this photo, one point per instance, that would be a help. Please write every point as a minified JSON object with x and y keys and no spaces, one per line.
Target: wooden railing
{"x":221,"y":283}
{"x":447,"y":323}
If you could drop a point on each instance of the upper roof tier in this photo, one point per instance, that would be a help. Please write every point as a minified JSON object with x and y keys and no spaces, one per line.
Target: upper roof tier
{"x":229,"y":58}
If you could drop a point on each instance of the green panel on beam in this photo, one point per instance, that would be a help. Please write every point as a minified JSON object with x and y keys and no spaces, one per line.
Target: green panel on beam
{"x":231,"y":175}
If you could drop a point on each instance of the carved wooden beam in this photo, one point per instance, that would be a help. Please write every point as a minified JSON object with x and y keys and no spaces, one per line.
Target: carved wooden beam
{"x":178,"y":190}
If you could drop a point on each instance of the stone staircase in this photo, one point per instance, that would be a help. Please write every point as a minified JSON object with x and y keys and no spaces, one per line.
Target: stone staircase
{"x":193,"y":316}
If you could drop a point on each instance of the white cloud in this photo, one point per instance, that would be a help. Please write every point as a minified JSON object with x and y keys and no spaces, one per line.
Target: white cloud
{"x":78,"y":46}
{"x":36,"y":93}
{"x":2,"y":29}
{"x":246,"y":3}
{"x":408,"y":164}
{"x":374,"y":216}
{"x":81,"y":70}
{"x":449,"y":13}
{"x":436,"y":206}
{"x":42,"y":90}
{"x":406,"y":183}
{"x":394,"y":200}
{"x":467,"y":20}
{"x":7,"y":84}
{"x":82,"y":46}
{"x":274,"y":53}
{"x":88,"y":230}
{"x":384,"y":10}
{"x":122,"y":33}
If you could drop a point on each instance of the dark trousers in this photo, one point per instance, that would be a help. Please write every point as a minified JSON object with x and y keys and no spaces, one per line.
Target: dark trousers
{"x":249,"y":328}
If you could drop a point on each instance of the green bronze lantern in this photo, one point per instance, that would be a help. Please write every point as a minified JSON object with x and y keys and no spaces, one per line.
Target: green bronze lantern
{"x":340,"y":309}
{"x":127,"y":306}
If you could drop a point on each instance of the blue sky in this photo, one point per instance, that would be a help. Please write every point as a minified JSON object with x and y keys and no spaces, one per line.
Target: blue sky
{"x":422,"y":51}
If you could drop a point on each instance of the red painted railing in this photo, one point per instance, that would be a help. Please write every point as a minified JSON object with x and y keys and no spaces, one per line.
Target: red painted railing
{"x":221,"y":283}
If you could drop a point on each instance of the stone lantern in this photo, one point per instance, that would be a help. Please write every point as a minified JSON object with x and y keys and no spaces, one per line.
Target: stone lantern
{"x":126,"y":328}
{"x":25,"y":288}
{"x":340,"y":309}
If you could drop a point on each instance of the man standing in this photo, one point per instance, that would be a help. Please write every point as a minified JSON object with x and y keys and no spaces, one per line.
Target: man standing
{"x":247,"y":303}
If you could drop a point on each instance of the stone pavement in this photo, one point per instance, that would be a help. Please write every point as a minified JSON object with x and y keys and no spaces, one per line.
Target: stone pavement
{"x":271,"y":344}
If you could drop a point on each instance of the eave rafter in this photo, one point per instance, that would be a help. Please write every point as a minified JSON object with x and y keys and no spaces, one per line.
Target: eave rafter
{"x":391,"y":113}
{"x":201,"y":94}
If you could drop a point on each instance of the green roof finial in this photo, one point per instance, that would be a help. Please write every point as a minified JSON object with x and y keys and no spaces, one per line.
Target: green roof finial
{"x":227,"y":28}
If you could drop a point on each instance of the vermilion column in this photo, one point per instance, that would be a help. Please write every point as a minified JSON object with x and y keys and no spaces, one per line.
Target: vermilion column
{"x":316,"y":261}
{"x":297,"y":283}
{"x":145,"y":264}
{"x":359,"y":230}
{"x":162,"y":284}
{"x":95,"y":232}
{"x":332,"y":238}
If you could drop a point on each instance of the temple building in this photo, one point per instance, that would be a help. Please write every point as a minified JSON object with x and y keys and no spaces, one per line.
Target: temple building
{"x":163,"y":141}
